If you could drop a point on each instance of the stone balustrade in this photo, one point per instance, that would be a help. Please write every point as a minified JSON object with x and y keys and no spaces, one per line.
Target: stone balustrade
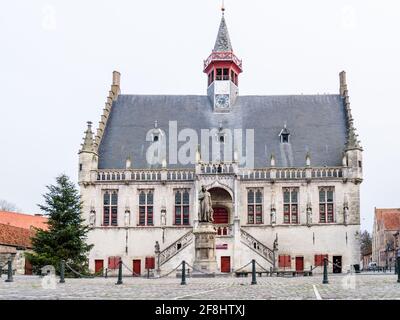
{"x":221,"y":168}
{"x":224,"y":230}
{"x":144,"y":175}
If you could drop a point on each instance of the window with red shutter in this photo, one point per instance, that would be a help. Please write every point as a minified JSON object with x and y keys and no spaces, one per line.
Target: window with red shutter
{"x":113,"y":262}
{"x":284,"y":261}
{"x":287,"y":262}
{"x":150,"y":263}
{"x":319,"y":259}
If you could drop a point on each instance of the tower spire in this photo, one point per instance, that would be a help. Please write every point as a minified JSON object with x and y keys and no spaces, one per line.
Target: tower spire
{"x":87,"y":145}
{"x":223,"y":42}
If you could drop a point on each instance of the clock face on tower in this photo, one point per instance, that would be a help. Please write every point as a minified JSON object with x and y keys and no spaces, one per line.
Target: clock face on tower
{"x":222,"y":101}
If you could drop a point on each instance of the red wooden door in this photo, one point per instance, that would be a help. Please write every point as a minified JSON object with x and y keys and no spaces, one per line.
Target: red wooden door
{"x":220,"y":216}
{"x":299,"y":264}
{"x":136,"y":267}
{"x":28,"y":267}
{"x":226,"y":264}
{"x":98,"y":265}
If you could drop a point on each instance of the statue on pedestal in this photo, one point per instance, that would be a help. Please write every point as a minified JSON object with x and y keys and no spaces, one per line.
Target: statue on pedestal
{"x":205,"y":207}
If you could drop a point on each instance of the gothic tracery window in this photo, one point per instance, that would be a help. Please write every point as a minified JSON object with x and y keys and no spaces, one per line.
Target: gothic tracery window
{"x":326,"y":212}
{"x":254,"y":206}
{"x":290,"y":205}
{"x":110,"y":208}
{"x":182,"y":207}
{"x":146,"y":200}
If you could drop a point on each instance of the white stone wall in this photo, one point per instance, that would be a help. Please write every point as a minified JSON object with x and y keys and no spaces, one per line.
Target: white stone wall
{"x":136,"y":242}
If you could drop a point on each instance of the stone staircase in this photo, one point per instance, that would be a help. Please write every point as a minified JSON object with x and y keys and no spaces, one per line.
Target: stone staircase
{"x":258,"y":247}
{"x":176,"y":247}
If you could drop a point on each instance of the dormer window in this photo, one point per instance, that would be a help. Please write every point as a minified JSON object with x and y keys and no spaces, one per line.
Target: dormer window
{"x":221,"y":138}
{"x":156,"y":138}
{"x":284,"y":135}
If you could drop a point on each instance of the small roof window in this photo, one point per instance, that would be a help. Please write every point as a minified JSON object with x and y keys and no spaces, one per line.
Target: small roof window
{"x":284,"y":134}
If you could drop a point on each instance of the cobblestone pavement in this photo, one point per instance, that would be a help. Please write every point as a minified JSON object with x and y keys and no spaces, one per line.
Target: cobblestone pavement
{"x":360,"y":286}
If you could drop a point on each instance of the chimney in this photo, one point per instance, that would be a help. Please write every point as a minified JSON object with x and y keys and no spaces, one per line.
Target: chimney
{"x":343,"y":83}
{"x":116,"y":78}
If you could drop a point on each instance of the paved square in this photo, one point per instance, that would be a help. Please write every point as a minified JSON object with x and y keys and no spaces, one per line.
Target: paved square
{"x":360,"y":286}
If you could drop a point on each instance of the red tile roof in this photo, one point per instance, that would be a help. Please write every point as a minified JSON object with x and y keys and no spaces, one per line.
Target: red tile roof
{"x":14,"y":236}
{"x":389,"y":218}
{"x":21,"y":220}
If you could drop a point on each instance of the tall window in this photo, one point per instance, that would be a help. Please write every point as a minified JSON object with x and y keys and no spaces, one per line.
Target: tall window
{"x":254,"y":206}
{"x":181,"y":207}
{"x":146,"y":207}
{"x":290,"y":205}
{"x":326,"y":205}
{"x":110,"y":208}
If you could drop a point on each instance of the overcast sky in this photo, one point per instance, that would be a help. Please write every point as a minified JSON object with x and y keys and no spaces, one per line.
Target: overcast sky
{"x":57,"y":57}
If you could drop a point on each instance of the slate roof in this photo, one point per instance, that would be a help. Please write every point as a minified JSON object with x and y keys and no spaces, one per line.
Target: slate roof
{"x":21,"y":220}
{"x":223,"y":42}
{"x":317,"y":124}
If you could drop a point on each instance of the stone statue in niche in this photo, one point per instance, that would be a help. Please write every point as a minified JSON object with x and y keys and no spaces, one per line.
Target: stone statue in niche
{"x":309,"y":215}
{"x":346,"y":214}
{"x":163,"y":216}
{"x":92,"y":217}
{"x":127,"y":216}
{"x":346,"y":210}
{"x":273,"y":215}
{"x":205,"y":207}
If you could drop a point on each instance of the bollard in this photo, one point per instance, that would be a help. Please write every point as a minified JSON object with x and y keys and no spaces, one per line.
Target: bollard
{"x":325,"y":280}
{"x":9,"y":271}
{"x":183,"y":282}
{"x":253,"y":272}
{"x":270,"y":271}
{"x":62,"y":271}
{"x":119,"y":272}
{"x":398,"y":269}
{"x":106,"y":276}
{"x":1,"y":271}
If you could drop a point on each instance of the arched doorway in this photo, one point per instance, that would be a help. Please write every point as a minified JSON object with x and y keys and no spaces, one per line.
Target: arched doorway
{"x":222,"y":206}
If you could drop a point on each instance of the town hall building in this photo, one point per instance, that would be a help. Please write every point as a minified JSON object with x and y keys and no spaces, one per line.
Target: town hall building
{"x":284,"y":175}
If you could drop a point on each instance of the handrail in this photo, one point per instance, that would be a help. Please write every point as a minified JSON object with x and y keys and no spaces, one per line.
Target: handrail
{"x":173,"y":249}
{"x":265,"y":252}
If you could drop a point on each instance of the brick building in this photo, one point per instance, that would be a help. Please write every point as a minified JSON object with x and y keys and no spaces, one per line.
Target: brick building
{"x":16,"y":230}
{"x":385,"y":236}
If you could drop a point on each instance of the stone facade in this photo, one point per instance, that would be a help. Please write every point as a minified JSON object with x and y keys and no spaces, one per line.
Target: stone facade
{"x":268,"y":238}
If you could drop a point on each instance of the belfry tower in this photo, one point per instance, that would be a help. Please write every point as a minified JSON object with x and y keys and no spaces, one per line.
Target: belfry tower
{"x":223,"y":68}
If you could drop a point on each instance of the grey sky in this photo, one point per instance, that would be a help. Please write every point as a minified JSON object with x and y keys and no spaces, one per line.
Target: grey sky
{"x":57,"y":57}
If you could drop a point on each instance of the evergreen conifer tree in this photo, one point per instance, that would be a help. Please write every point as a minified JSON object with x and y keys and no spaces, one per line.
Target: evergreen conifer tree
{"x":66,"y":236}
